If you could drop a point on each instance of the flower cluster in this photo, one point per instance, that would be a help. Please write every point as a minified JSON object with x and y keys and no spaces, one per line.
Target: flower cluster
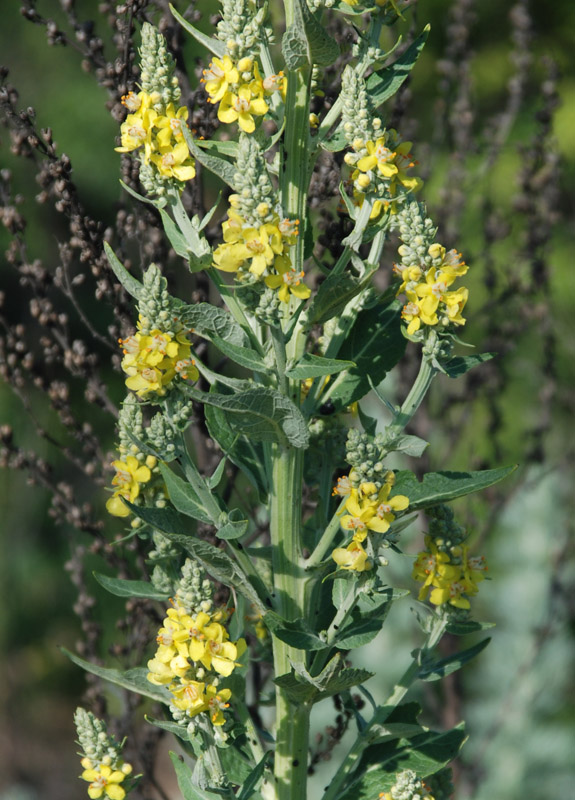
{"x":103,"y":765}
{"x":194,"y":652}
{"x":366,"y":510}
{"x":445,"y":568}
{"x":129,"y":477}
{"x":380,"y":171}
{"x":452,"y":576}
{"x":240,"y":90}
{"x":261,"y":250}
{"x":160,"y":136}
{"x":153,"y":360}
{"x":407,"y":786}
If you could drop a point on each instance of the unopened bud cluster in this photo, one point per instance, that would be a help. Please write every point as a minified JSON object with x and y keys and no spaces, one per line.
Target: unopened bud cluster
{"x":366,"y":454}
{"x":241,"y":26}
{"x":157,"y":69}
{"x":195,"y":591}
{"x":407,"y":786}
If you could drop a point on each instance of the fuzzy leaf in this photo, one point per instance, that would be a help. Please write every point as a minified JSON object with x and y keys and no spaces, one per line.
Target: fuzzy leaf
{"x":410,"y":445}
{"x":133,"y":679}
{"x":172,"y":727}
{"x":219,"y":166}
{"x":463,"y":627}
{"x":131,"y":285}
{"x":229,"y":149}
{"x":297,"y":634}
{"x":424,"y":754}
{"x":244,"y":356}
{"x":174,"y":234}
{"x":435,"y":670}
{"x":336,"y":141}
{"x":164,"y":519}
{"x":183,"y":497}
{"x":386,"y":82}
{"x":306,"y":40}
{"x":215,"y":46}
{"x":332,"y":297}
{"x":310,"y":366}
{"x":346,"y":679}
{"x":247,"y":456}
{"x":214,"y":480}
{"x":234,"y":527}
{"x":297,"y":690}
{"x":189,"y":790}
{"x":208,"y":321}
{"x":263,"y":415}
{"x":459,"y":365}
{"x":376,"y":344}
{"x":441,"y":487}
{"x":125,"y":588}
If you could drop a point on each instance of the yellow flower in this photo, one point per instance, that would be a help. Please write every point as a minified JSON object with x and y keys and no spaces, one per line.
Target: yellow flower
{"x":274,"y":83}
{"x":190,"y":696}
{"x":352,"y":557}
{"x":153,"y":360}
{"x":217,"y":703}
{"x":387,"y":505}
{"x":343,"y":487}
{"x":170,"y":124}
{"x":218,"y":77}
{"x":288,"y":282}
{"x":136,"y":130}
{"x":241,"y":107}
{"x":174,"y":162}
{"x":129,"y":475}
{"x":452,"y":592}
{"x":260,"y":246}
{"x":104,"y":781}
{"x":433,"y":567}
{"x":362,"y":517}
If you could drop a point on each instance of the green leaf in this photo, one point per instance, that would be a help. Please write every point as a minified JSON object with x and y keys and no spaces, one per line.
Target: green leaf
{"x":251,"y":782}
{"x":306,"y":41}
{"x":234,"y":763}
{"x":459,"y":365}
{"x":220,"y":566}
{"x":183,"y":497}
{"x":336,"y":141}
{"x":424,"y":754}
{"x":410,"y":445}
{"x":214,"y":480}
{"x":463,"y":627}
{"x":297,"y":690}
{"x":310,"y":366}
{"x":133,"y":679}
{"x":208,"y":321}
{"x":174,"y":234}
{"x":172,"y":727}
{"x":332,"y":297}
{"x":229,"y":149}
{"x":189,"y":790}
{"x":296,"y":633}
{"x":234,"y":527}
{"x":215,"y":46}
{"x":244,"y":356}
{"x":262,"y":414}
{"x":247,"y":456}
{"x":219,"y":166}
{"x":441,"y":487}
{"x":385,"y":83}
{"x":124,"y":588}
{"x":164,"y":519}
{"x":346,"y":679}
{"x":376,"y":344}
{"x":435,"y":670}
{"x":130,"y":284}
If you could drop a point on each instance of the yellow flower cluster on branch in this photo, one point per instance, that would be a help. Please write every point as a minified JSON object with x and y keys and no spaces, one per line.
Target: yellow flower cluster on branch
{"x":429,"y":301}
{"x":381,"y":171}
{"x":366,"y":510}
{"x":152,"y":361}
{"x":240,"y":90}
{"x":262,"y":250}
{"x":160,"y":136}
{"x":452,"y":577}
{"x":129,"y":477}
{"x":193,"y":653}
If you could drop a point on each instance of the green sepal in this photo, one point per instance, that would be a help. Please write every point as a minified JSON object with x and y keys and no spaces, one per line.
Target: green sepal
{"x":134,"y":680}
{"x":310,"y":366}
{"x":384,"y":83}
{"x":441,"y":487}
{"x":435,"y":670}
{"x":215,"y":46}
{"x":262,"y":414}
{"x":459,"y":365}
{"x":183,"y":497}
{"x":126,"y":588}
{"x":131,"y":285}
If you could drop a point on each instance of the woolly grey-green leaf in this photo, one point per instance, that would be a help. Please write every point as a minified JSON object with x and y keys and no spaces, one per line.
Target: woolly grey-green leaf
{"x":310,"y":366}
{"x":126,"y":588}
{"x":441,"y":487}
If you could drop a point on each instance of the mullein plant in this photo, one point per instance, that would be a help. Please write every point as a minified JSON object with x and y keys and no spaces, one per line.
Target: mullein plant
{"x":302,"y":344}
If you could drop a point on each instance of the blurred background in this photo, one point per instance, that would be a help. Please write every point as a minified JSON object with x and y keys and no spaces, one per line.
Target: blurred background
{"x":490,"y":109}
